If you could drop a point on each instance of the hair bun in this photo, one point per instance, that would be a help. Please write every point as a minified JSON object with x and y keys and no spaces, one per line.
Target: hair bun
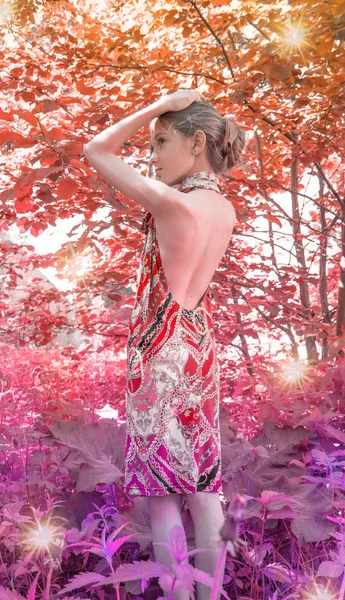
{"x":231,"y":131}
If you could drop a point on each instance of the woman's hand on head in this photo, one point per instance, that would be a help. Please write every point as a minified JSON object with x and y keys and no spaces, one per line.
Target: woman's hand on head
{"x":180,"y":99}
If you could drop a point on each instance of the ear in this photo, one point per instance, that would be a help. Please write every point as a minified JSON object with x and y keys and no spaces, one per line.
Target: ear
{"x":199,"y":140}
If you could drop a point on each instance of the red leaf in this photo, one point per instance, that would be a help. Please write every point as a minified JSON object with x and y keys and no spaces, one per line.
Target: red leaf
{"x":55,"y":133}
{"x":240,"y":308}
{"x":272,"y":218}
{"x":29,"y":118}
{"x":67,"y":188}
{"x":14,"y":136}
{"x":23,"y":205}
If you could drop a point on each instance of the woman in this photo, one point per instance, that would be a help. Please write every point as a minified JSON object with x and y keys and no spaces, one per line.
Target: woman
{"x":173,"y":440}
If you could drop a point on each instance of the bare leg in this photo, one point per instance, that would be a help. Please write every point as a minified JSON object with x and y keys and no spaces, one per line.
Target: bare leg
{"x":165,"y":513}
{"x":207,"y":516}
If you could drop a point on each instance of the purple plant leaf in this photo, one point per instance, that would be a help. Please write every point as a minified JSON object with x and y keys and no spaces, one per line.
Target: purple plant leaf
{"x":268,"y":496}
{"x":339,"y":520}
{"x":274,"y":471}
{"x":257,"y":555}
{"x":278,"y":573}
{"x":192,"y":552}
{"x":316,"y":527}
{"x":117,"y":531}
{"x":113,"y":546}
{"x":83,"y":543}
{"x":6,"y":594}
{"x":329,"y":569}
{"x":89,"y":440}
{"x":205,"y":578}
{"x":90,"y":547}
{"x":139,"y":569}
{"x":185,"y":574}
{"x":32,"y":588}
{"x":321,"y":457}
{"x":96,"y":471}
{"x":287,"y":513}
{"x":335,"y":433}
{"x":166,"y":581}
{"x":139,"y":521}
{"x":80,"y":580}
{"x":178,"y":544}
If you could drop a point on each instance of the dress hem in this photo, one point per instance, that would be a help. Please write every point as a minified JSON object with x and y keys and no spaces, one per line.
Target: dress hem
{"x":160,"y":492}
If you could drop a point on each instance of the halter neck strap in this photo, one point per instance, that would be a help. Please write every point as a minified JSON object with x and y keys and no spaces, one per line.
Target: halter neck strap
{"x":203,"y":179}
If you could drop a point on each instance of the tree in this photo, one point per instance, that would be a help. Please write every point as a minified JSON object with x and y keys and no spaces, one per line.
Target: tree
{"x":279,"y":73}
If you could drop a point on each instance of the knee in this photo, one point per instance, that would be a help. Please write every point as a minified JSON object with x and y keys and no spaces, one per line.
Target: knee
{"x":205,"y":504}
{"x":207,"y":514}
{"x":163,"y":507}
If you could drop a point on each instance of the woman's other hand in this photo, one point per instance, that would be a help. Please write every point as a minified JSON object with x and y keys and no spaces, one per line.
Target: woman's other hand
{"x":180,"y":100}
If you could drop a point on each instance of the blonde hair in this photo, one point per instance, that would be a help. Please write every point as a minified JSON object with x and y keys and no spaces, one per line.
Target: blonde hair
{"x":225,"y":139}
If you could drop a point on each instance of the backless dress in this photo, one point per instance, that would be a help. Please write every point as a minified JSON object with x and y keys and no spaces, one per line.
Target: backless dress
{"x":173,"y":381}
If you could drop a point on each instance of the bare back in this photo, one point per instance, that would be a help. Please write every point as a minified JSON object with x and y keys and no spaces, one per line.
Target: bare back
{"x":191,"y":250}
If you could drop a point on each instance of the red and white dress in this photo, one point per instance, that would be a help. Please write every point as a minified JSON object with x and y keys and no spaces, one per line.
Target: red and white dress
{"x":173,"y":381}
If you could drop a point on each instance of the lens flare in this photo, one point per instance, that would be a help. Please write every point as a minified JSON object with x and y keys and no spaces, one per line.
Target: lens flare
{"x":80,"y":266}
{"x":294,"y":370}
{"x":319,"y":593}
{"x":5,"y":11}
{"x":295,"y":36}
{"x":295,"y":374}
{"x":42,"y":537}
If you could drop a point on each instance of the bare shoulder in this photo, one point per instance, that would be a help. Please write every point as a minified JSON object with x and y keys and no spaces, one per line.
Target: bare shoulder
{"x":198,"y":212}
{"x":213,"y":205}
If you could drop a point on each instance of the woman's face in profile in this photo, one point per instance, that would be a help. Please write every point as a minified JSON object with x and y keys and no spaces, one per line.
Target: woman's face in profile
{"x":170,"y":154}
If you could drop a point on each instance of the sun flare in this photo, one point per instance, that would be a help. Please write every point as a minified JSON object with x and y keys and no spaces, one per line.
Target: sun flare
{"x":295,"y":373}
{"x":294,"y":370}
{"x":295,"y":36}
{"x":41,"y":537}
{"x":38,"y":536}
{"x":319,"y":593}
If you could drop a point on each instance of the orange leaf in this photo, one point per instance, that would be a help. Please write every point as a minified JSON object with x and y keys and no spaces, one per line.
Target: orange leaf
{"x":247,"y":57}
{"x":5,"y":116}
{"x":276,"y":71}
{"x":83,"y":89}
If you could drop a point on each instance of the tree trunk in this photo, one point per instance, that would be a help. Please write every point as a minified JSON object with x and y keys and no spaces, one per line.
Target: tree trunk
{"x":242,"y":337}
{"x":303,"y":286}
{"x":340,"y":326}
{"x":323,"y":269}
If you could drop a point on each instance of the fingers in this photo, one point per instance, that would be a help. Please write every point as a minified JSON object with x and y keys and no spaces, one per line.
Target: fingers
{"x":201,"y":96}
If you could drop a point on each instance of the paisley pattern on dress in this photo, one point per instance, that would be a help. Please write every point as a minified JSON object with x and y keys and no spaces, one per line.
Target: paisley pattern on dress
{"x":173,"y":381}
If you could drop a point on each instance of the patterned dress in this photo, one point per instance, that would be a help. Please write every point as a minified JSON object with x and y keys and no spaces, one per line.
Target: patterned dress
{"x":173,"y":381}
